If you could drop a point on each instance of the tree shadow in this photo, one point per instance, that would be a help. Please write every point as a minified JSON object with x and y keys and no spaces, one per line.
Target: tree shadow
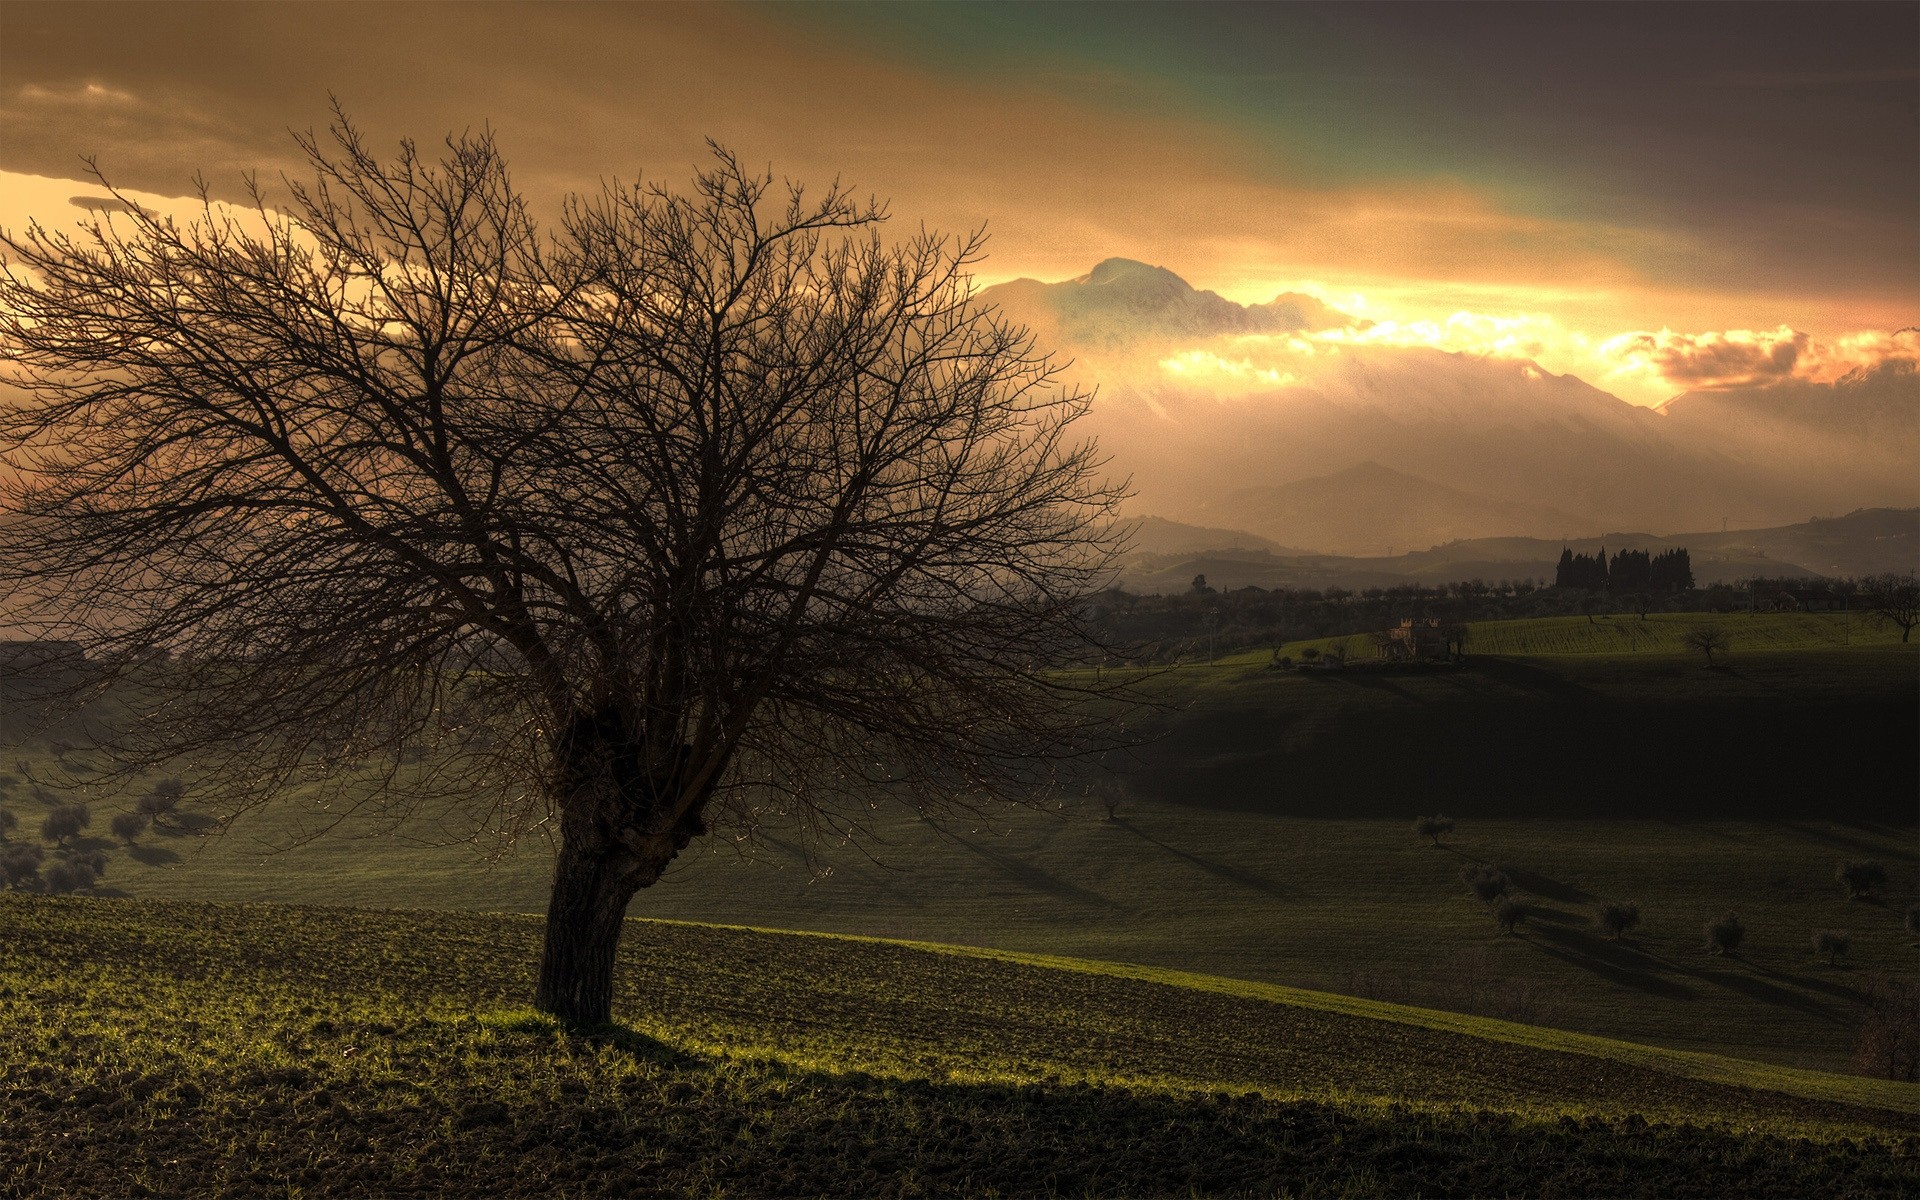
{"x":1552,"y":889}
{"x":1532,"y":680}
{"x":1029,"y":876}
{"x":1374,"y":682}
{"x":1554,"y":916}
{"x":1761,"y":990}
{"x":185,"y":825}
{"x":1840,"y":841}
{"x":636,"y":1045}
{"x":1613,"y":961}
{"x":1244,"y":878}
{"x":1839,"y":991}
{"x":152,"y":856}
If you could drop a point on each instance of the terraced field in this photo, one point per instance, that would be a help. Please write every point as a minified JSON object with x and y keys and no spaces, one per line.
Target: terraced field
{"x":179,"y":1048}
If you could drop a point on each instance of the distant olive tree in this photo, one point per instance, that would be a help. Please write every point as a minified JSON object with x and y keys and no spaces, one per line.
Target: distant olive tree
{"x":128,"y":825}
{"x":1488,"y":884}
{"x":1708,"y":640}
{"x":20,"y":866}
{"x":1725,"y":933}
{"x":64,"y":877}
{"x":1863,"y":878}
{"x":1619,"y":917}
{"x":162,"y":801}
{"x":65,"y":823}
{"x":1433,"y":827}
{"x":1510,"y":913}
{"x":1832,"y":943}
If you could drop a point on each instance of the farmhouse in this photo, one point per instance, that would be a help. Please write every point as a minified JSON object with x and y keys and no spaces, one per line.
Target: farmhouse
{"x":1416,"y":638}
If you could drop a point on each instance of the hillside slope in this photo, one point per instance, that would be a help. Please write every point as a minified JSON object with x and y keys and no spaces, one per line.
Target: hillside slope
{"x":192,"y":1048}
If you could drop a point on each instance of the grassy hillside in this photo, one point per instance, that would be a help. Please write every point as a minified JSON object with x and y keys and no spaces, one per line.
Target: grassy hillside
{"x":174,"y":1049}
{"x":1617,"y":635}
{"x":1266,"y":837}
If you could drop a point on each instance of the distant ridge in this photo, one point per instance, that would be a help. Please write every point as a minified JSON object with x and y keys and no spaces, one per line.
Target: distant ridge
{"x":1869,"y":541}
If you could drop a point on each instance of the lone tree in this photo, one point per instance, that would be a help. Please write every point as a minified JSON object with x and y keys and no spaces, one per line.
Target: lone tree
{"x":1707,"y":639}
{"x":128,"y":826}
{"x":1510,"y":913}
{"x":1619,"y":917}
{"x":1487,"y":883}
{"x":1894,"y":599}
{"x":1433,"y":827}
{"x":696,"y":509}
{"x":1725,"y":933}
{"x":1832,"y":943}
{"x":1863,"y":878}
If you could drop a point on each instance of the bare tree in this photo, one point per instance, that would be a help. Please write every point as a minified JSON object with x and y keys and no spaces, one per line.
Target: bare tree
{"x":1707,"y":639}
{"x":1894,"y":599}
{"x":704,"y":508}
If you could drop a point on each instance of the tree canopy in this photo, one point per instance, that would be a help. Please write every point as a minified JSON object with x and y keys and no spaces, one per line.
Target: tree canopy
{"x":698,"y":507}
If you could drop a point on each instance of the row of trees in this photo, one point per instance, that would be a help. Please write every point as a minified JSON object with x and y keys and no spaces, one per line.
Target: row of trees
{"x":1168,"y":628}
{"x":1629,"y":572}
{"x":71,"y":861}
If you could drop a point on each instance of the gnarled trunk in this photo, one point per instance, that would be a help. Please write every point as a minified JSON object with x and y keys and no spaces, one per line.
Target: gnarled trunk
{"x":617,"y":834}
{"x":591,"y":888}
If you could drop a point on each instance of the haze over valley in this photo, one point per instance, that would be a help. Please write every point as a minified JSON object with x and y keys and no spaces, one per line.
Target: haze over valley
{"x":1284,"y":420}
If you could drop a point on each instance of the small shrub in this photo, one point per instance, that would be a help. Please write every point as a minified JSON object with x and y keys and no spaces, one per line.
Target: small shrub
{"x":65,"y":822}
{"x":20,"y":866}
{"x":1509,"y":914}
{"x":1913,"y":919}
{"x":128,"y":825}
{"x":1725,"y":933}
{"x":1619,"y":917}
{"x":1310,"y":654}
{"x":1862,"y":878}
{"x":1433,"y":827}
{"x":1833,"y":943}
{"x":8,"y":823}
{"x":1887,"y":1045}
{"x":65,"y":877}
{"x":160,"y":802}
{"x":1488,"y":883}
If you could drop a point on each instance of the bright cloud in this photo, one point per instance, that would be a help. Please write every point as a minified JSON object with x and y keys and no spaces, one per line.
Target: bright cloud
{"x":1747,"y":357}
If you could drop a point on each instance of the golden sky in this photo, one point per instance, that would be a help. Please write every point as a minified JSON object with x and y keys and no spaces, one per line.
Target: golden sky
{"x":1653,"y":197}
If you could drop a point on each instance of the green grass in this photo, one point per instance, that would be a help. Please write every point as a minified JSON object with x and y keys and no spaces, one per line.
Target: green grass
{"x":1266,"y":837}
{"x":1617,"y":634}
{"x":178,"y":1048}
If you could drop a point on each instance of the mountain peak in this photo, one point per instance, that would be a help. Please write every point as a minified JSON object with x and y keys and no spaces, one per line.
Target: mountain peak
{"x":1129,"y":271}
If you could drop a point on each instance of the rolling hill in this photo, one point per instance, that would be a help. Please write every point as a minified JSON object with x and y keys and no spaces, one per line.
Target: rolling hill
{"x":1263,"y":834}
{"x":199,"y":1049}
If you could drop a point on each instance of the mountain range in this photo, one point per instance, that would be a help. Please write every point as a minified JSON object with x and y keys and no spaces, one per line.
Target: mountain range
{"x":1227,"y":416}
{"x":1866,"y":542}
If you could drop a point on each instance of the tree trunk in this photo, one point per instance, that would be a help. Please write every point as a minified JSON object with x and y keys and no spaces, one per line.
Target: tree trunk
{"x":591,"y":889}
{"x":617,"y":835}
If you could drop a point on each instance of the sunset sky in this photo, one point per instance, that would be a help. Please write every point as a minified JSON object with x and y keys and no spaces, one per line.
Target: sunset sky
{"x":1654,"y":197}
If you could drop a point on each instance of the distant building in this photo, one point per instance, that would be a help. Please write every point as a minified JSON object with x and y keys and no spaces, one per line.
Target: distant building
{"x":1416,"y":638}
